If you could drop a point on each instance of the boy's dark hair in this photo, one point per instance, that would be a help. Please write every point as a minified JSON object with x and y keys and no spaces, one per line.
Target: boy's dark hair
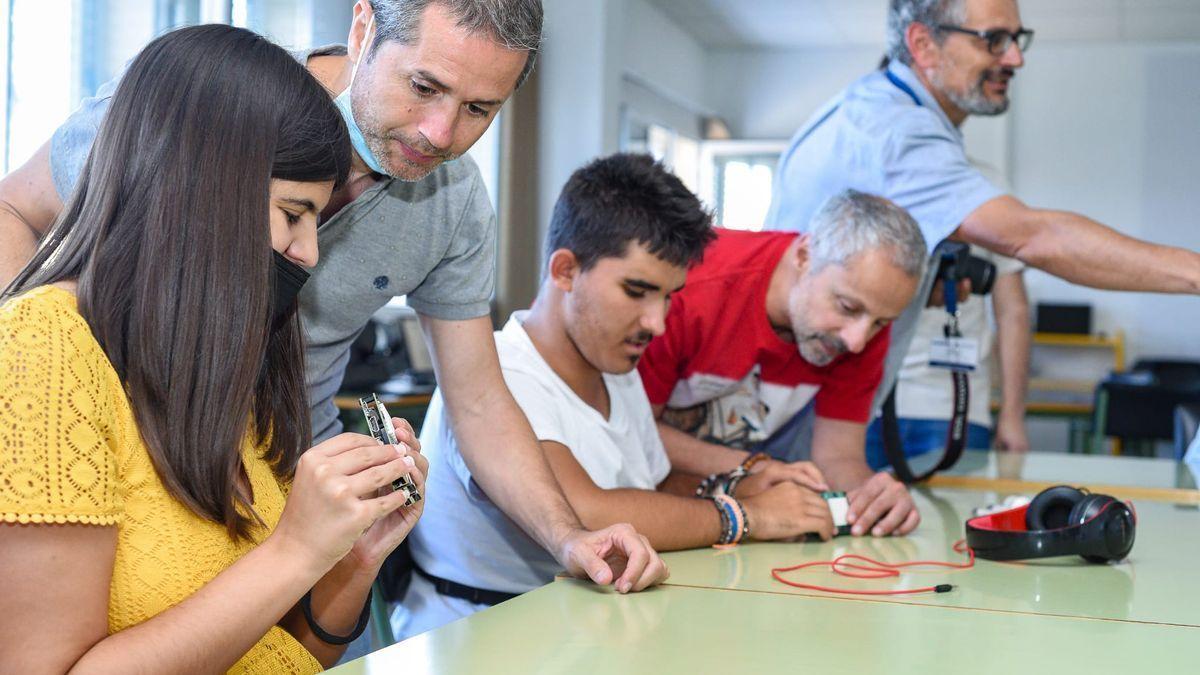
{"x":625,"y":198}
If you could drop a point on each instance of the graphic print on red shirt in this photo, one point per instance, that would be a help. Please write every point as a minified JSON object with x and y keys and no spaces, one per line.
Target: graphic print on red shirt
{"x":720,"y":368}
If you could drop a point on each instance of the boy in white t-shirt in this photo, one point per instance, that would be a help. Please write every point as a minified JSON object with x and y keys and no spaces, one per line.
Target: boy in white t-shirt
{"x":623,"y":234}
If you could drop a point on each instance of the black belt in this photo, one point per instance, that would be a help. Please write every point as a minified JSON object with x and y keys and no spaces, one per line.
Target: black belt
{"x":453,"y":589}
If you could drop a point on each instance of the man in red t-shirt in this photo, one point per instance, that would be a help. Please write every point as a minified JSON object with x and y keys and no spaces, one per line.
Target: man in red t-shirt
{"x":773,"y":323}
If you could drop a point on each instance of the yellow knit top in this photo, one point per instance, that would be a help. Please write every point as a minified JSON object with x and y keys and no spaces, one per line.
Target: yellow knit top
{"x":70,"y":453}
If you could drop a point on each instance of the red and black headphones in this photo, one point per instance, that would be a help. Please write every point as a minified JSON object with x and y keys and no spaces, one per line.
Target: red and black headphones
{"x":1061,"y":520}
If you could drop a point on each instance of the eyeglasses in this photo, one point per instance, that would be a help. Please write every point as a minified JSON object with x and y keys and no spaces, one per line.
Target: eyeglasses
{"x":998,"y":39}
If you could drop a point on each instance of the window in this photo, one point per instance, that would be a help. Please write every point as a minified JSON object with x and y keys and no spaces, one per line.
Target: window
{"x":736,"y":181}
{"x":56,"y":52}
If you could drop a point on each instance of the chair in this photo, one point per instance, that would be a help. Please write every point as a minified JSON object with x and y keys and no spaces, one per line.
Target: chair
{"x":1139,"y":406}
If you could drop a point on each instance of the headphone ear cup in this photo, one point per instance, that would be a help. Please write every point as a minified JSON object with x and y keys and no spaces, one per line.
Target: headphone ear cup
{"x":1087,"y":508}
{"x":1112,"y":534}
{"x":1119,"y":530}
{"x":1051,"y":509}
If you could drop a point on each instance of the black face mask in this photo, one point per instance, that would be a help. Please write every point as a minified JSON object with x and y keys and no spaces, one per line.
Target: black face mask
{"x":287,"y":278}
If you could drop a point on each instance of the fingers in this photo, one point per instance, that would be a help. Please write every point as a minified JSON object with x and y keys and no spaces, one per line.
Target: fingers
{"x":910,"y":523}
{"x":384,"y":504}
{"x":643,"y":567}
{"x":342,"y":443}
{"x":874,"y":510}
{"x":421,"y":460}
{"x":656,"y":570}
{"x":888,"y":508}
{"x":368,"y":481}
{"x":593,"y":565}
{"x":895,"y":516}
{"x":821,"y":521}
{"x":810,"y":476}
{"x":360,"y":459}
{"x":637,"y":554}
{"x":405,"y":434}
{"x":862,"y":497}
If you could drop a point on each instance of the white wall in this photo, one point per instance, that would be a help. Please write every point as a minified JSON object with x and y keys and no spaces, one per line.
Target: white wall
{"x":657,"y":54}
{"x":600,"y":55}
{"x":578,"y":80}
{"x":769,"y":94}
{"x":1113,"y":132}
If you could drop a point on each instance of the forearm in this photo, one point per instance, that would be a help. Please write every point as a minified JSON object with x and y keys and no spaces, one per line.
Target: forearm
{"x":691,"y":455}
{"x":1014,"y":341}
{"x":493,"y":435}
{"x":843,"y":473}
{"x":18,"y":241}
{"x":839,"y":451}
{"x":1081,"y":250}
{"x":337,"y":603}
{"x":215,"y":626}
{"x":680,"y":484}
{"x":504,"y":458}
{"x":670,"y":522}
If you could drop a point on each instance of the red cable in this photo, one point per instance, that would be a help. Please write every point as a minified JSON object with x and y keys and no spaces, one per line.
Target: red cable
{"x":875,"y":569}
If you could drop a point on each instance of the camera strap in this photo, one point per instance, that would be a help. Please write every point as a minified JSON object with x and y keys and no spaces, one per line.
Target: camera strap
{"x":956,"y":432}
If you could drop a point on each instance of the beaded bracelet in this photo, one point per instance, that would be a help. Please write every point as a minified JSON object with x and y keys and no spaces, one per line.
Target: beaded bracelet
{"x":733,"y":518}
{"x":708,"y":486}
{"x":745,"y":519}
{"x":753,"y":459}
{"x":721,"y":483}
{"x":726,"y":515}
{"x":733,"y":478}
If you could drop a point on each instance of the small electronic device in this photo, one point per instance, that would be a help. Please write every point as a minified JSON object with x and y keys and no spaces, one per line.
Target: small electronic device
{"x":379,"y":423}
{"x":839,"y":506}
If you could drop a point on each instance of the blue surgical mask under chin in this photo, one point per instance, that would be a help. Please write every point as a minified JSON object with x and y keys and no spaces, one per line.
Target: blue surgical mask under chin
{"x":356,"y":138}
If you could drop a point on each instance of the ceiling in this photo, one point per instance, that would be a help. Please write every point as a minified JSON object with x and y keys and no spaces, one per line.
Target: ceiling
{"x":799,"y":24}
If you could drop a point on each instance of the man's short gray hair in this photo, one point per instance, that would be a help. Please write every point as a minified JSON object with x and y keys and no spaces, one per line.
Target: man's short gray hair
{"x":903,"y":13}
{"x":852,"y":222}
{"x":514,"y":24}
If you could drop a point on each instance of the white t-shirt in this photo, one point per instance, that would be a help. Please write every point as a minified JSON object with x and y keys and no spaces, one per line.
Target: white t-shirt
{"x":924,"y":392}
{"x":462,"y":536}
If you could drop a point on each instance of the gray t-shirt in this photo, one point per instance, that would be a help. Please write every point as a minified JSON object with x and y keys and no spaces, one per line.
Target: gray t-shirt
{"x":433,"y":240}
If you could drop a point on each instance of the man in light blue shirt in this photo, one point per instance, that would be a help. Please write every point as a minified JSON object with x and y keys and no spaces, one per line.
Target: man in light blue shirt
{"x":895,"y":133}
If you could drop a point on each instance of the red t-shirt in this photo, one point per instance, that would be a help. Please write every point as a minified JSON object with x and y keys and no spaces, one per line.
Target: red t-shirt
{"x":721,"y":370}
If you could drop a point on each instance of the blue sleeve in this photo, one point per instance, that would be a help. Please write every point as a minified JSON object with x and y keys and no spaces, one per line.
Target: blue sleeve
{"x":927,"y":172}
{"x":71,"y":142}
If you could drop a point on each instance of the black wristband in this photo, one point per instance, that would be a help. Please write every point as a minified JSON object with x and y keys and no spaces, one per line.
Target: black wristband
{"x":329,"y":638}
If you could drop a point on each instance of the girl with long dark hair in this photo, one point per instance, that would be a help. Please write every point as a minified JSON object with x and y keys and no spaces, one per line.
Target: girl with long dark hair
{"x":158,"y":511}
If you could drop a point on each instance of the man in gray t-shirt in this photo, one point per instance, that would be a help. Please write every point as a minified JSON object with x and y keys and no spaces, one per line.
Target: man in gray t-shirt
{"x":418,"y":85}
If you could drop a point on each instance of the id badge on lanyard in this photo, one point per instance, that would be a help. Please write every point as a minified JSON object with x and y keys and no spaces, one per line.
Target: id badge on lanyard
{"x":953,"y":351}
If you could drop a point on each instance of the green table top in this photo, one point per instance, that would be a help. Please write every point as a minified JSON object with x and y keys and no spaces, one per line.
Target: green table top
{"x":1076,"y":469}
{"x":721,"y":611}
{"x":1159,"y":583}
{"x":573,"y":627}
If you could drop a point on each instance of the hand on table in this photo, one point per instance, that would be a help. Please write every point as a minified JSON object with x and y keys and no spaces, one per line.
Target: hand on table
{"x":615,"y":555}
{"x":881,"y":506}
{"x":786,"y":511}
